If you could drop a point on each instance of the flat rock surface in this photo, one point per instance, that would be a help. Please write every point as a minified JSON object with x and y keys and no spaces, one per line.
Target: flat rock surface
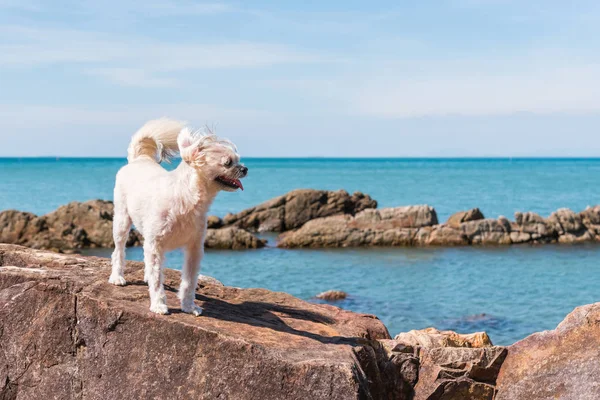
{"x":66,"y":333}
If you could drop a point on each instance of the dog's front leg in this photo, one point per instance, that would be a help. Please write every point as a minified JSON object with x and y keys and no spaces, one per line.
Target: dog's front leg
{"x":189,"y":278}
{"x":153,"y":258}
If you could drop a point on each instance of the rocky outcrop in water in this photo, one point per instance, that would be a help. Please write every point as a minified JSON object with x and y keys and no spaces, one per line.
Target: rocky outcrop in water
{"x":89,"y":225}
{"x":294,"y":209}
{"x":72,"y":226}
{"x":232,"y":238}
{"x":418,"y":226}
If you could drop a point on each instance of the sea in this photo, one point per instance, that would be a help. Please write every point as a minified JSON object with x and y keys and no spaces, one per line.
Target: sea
{"x":509,"y":292}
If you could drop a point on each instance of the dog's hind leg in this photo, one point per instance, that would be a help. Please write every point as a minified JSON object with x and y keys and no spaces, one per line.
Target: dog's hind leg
{"x":121,"y":227}
{"x":153,"y":258}
{"x":189,"y":279}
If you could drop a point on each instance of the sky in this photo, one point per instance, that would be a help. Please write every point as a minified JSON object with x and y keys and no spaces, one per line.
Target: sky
{"x":444,"y":78}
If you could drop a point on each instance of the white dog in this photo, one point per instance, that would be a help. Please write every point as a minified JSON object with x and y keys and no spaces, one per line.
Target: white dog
{"x":169,"y":208}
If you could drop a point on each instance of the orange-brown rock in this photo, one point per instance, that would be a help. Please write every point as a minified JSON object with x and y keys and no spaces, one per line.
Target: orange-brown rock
{"x":431,"y":338}
{"x":88,"y":225}
{"x":559,"y":364}
{"x":66,"y":333}
{"x":458,"y":218}
{"x":294,"y":209}
{"x":332,"y":295}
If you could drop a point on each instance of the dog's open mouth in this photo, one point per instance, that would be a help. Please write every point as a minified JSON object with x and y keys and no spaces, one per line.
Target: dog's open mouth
{"x":232,"y":183}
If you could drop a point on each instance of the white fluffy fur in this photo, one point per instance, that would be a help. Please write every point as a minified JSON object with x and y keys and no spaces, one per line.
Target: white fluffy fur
{"x":169,"y":208}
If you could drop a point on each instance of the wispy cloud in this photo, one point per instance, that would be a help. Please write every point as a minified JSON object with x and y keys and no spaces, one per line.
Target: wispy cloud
{"x":138,"y":61}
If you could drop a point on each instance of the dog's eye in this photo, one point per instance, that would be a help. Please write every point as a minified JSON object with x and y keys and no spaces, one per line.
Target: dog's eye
{"x":228,"y":162}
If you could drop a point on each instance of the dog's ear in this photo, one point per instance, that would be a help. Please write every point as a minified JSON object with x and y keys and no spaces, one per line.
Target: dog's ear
{"x":189,"y":147}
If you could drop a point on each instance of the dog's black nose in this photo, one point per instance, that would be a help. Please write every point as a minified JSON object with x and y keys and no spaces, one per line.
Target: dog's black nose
{"x":244,"y":170}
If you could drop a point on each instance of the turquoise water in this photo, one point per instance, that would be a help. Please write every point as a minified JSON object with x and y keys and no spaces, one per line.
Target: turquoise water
{"x":519,"y":289}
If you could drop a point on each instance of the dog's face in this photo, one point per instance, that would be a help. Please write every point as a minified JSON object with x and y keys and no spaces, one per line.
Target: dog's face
{"x":216,"y":159}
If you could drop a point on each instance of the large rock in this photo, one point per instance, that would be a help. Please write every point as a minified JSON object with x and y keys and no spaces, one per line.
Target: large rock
{"x":450,"y":373}
{"x":559,"y":364}
{"x":297,"y":207}
{"x":386,"y":227}
{"x":73,"y":226}
{"x":445,"y":365}
{"x":89,"y":225}
{"x":66,"y":333}
{"x":569,"y":226}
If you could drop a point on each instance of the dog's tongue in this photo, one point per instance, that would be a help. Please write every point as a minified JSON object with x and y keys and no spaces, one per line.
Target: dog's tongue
{"x":239,"y":183}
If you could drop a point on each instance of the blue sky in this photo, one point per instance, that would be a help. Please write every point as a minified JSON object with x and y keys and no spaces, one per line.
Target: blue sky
{"x":332,"y":78}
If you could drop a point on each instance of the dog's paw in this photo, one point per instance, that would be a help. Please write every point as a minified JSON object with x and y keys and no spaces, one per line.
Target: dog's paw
{"x":193,"y":309}
{"x":117,"y":280}
{"x":159,"y":308}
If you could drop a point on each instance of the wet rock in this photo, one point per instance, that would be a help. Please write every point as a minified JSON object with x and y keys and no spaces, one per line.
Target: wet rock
{"x":558,"y":364}
{"x":458,"y":218}
{"x":431,"y":338}
{"x":332,"y":295}
{"x":297,"y":207}
{"x":67,"y":333}
{"x":232,"y":239}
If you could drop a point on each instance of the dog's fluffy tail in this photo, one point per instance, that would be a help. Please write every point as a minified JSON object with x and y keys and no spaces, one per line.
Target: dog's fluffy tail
{"x":157,"y":139}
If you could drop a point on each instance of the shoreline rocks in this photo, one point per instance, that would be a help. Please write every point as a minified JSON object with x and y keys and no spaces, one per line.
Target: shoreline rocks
{"x":294,"y":209}
{"x":78,"y":226}
{"x":417,"y":226}
{"x":309,"y":218}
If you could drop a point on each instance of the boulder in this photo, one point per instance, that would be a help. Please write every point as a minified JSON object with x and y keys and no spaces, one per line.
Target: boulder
{"x":569,"y":226}
{"x":332,"y":295}
{"x":559,"y":364}
{"x":431,"y":338}
{"x":487,"y":231}
{"x":232,"y":239}
{"x":67,"y":333}
{"x":458,"y":218}
{"x":297,"y":207}
{"x":73,"y":226}
{"x":89,"y":225}
{"x":386,"y":227}
{"x":214,"y":222}
{"x":450,"y":373}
